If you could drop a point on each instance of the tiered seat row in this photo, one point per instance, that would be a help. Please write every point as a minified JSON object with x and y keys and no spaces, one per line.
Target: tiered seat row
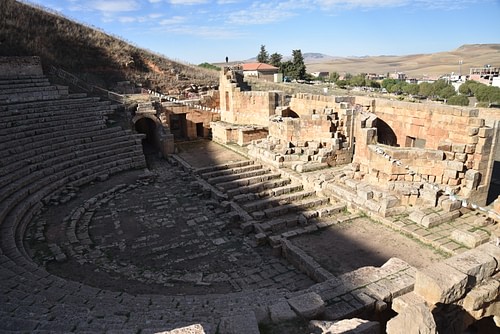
{"x":48,"y":140}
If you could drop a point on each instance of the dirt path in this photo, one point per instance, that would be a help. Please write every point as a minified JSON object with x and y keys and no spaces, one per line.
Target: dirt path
{"x":202,"y":153}
{"x":362,"y":242}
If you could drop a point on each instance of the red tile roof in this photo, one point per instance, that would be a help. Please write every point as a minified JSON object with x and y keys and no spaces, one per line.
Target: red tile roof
{"x":258,"y":67}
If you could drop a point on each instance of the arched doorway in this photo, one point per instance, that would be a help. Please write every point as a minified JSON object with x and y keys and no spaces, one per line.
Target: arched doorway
{"x":149,"y":127}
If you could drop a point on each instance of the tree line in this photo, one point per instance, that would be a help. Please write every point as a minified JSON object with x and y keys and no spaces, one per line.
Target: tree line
{"x":441,"y":90}
{"x":292,"y":69}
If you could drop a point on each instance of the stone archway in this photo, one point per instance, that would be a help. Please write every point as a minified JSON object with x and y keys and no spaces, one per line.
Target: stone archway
{"x":157,"y":136}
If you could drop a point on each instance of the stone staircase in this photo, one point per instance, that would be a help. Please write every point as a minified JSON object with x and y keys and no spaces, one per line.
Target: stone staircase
{"x":274,"y":204}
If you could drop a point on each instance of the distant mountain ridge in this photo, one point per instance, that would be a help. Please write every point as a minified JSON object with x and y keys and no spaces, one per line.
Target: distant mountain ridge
{"x":456,"y":61}
{"x":416,"y":65}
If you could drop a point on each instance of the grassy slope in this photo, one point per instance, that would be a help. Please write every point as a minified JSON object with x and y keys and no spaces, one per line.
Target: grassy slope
{"x":87,"y":52}
{"x":419,"y":65}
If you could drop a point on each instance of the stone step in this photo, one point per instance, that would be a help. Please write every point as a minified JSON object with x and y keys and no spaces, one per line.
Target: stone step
{"x":29,"y":144}
{"x":263,"y":204}
{"x":88,"y":110}
{"x":289,"y":188}
{"x":13,"y":85}
{"x":228,"y":165}
{"x":233,"y":177}
{"x":291,"y":207}
{"x":34,"y":106}
{"x":61,"y":152}
{"x":257,"y":187}
{"x":225,"y":186}
{"x":230,"y":171}
{"x":10,"y":154}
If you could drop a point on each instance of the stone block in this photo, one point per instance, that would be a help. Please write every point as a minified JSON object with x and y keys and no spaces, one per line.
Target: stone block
{"x":281,"y":311}
{"x":469,"y":239}
{"x":472,"y":131}
{"x":365,"y":193}
{"x":476,"y":264}
{"x":473,"y":178}
{"x":308,"y":305}
{"x":353,"y":326}
{"x":458,"y":148}
{"x":485,"y":132}
{"x":193,"y":329}
{"x":389,"y":201}
{"x":417,"y":216}
{"x":492,"y":250}
{"x":455,"y":165}
{"x":399,"y":304}
{"x":414,"y":319}
{"x":440,"y":283}
{"x":481,"y":295}
{"x":449,"y":205}
{"x":431,"y":220}
{"x":242,"y":323}
{"x":450,"y":173}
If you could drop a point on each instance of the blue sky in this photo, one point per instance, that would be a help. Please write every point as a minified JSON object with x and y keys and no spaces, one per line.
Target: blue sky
{"x":197,"y":31}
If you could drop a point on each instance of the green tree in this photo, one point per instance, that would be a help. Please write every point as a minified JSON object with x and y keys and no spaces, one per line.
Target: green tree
{"x":275,"y":59}
{"x":447,"y":92}
{"x":263,"y":56}
{"x":458,"y":100}
{"x":334,"y":76}
{"x":299,"y":67}
{"x":425,"y":89}
{"x":468,"y":87}
{"x":388,"y":83}
{"x":411,"y":89}
{"x":342,"y":83}
{"x":358,"y":80}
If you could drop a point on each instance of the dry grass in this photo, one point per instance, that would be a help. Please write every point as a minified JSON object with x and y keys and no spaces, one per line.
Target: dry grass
{"x":419,"y":65}
{"x":93,"y":55}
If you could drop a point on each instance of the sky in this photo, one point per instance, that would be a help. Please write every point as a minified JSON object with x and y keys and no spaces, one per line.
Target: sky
{"x":197,"y":31}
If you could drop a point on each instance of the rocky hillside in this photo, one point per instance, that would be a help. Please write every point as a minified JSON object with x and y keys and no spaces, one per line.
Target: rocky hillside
{"x":91,"y":54}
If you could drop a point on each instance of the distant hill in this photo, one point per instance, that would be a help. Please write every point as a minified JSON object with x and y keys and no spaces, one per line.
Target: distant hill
{"x":93,"y":55}
{"x":416,"y":65}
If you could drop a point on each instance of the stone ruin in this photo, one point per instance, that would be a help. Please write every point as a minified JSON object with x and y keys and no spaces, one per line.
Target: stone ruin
{"x":72,"y":185}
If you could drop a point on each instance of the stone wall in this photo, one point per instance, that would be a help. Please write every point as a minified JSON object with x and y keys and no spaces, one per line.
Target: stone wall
{"x":451,"y":295}
{"x":13,"y":67}
{"x":459,"y":142}
{"x":244,"y":107}
{"x":308,"y":104}
{"x":227,"y":133}
{"x":193,"y":117}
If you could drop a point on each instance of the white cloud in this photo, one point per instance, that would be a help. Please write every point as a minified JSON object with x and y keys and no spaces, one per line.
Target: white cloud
{"x":173,"y":20}
{"x":115,"y":6}
{"x":265,"y":12}
{"x":188,"y":2}
{"x":155,"y":1}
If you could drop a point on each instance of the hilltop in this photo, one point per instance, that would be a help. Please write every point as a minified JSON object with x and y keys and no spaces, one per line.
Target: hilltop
{"x":91,"y":54}
{"x":416,"y":65}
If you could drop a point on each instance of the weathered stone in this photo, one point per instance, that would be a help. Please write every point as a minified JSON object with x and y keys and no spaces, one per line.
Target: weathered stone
{"x":476,"y":264}
{"x":399,"y":304}
{"x":243,"y":323}
{"x":414,"y":319}
{"x":354,"y":326}
{"x":492,"y":250}
{"x":449,"y":205}
{"x":308,"y":305}
{"x":469,"y":239}
{"x":440,"y":283}
{"x":482,"y":295}
{"x":281,"y":311}
{"x":193,"y":329}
